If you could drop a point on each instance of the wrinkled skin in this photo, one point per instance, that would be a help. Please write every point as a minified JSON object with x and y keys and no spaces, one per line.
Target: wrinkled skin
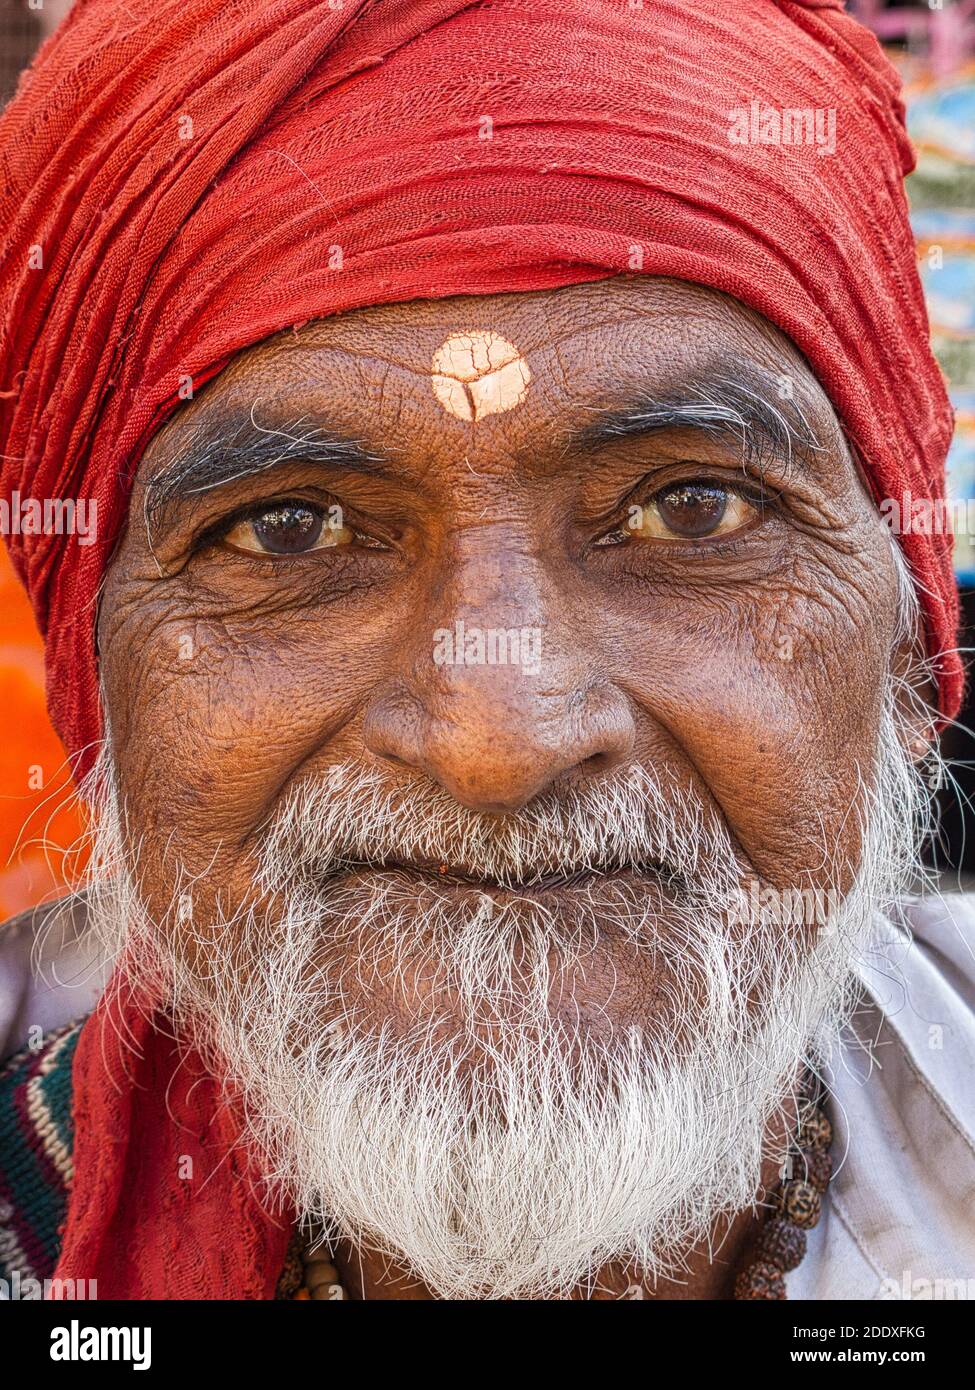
{"x":749,"y":665}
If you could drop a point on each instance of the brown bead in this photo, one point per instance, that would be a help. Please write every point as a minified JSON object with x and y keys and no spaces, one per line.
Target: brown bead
{"x":781,"y":1244}
{"x":801,"y":1203}
{"x":760,"y":1281}
{"x":817,"y":1167}
{"x":815,"y":1130}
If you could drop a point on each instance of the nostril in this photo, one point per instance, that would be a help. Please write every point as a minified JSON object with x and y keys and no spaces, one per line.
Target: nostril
{"x":494,"y":753}
{"x":598,"y":762}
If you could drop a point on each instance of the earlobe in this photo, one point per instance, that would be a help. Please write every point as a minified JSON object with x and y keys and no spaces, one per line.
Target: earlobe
{"x":918,"y":748}
{"x":915,"y":702}
{"x":917,"y":718}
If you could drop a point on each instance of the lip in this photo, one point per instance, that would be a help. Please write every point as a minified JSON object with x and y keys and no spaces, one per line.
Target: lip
{"x":460,"y":877}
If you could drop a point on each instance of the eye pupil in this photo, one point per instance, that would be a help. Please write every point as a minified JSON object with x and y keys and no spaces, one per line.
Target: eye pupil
{"x":692,"y":509}
{"x":288,"y":529}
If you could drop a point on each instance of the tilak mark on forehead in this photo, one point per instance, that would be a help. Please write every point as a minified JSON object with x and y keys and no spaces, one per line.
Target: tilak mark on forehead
{"x":478,"y":373}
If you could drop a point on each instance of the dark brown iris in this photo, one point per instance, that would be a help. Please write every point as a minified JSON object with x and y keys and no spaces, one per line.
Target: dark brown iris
{"x":288,"y":529}
{"x":692,"y":509}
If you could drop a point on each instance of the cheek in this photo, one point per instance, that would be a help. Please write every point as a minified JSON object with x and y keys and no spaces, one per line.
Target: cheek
{"x":211,"y":720}
{"x":776,"y":706}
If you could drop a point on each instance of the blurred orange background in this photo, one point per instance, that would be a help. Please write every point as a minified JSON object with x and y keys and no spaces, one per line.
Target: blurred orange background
{"x":38,"y":815}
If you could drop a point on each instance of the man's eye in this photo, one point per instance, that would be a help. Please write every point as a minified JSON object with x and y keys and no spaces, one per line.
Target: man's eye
{"x":288,"y":528}
{"x":686,"y":511}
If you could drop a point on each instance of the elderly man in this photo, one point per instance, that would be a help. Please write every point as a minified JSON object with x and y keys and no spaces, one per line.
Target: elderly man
{"x":505,"y":717}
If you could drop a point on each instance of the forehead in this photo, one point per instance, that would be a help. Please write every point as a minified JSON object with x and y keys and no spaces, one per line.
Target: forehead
{"x":577,"y":349}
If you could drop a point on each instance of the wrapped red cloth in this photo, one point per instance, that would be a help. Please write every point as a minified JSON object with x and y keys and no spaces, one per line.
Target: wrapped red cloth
{"x":179,"y":181}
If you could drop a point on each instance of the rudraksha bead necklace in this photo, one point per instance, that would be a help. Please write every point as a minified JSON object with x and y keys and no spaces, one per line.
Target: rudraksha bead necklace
{"x":796,"y":1205}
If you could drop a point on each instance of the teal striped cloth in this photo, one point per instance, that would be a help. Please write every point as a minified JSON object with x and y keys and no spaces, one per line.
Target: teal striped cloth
{"x":36,"y":1137}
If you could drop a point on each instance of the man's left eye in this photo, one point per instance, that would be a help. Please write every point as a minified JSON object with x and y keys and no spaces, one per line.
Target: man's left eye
{"x":288,"y":528}
{"x":687,"y":512}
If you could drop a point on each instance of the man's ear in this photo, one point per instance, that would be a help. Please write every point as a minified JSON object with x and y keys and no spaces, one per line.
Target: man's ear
{"x":915,"y":694}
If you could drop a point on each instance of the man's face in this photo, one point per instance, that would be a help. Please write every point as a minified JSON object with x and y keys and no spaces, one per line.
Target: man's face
{"x":408,"y":594}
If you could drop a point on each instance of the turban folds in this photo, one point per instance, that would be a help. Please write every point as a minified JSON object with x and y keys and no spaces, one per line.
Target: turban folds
{"x":179,"y":183}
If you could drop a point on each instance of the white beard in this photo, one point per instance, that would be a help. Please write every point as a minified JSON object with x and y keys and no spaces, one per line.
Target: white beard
{"x":520,"y":1167}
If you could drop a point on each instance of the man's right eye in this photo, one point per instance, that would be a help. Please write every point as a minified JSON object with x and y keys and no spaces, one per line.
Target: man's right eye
{"x":288,"y":528}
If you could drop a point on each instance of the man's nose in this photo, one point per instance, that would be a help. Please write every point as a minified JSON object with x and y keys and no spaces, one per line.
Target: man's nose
{"x":496,"y":736}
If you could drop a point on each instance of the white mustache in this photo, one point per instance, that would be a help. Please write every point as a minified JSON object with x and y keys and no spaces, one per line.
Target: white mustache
{"x":633,"y":820}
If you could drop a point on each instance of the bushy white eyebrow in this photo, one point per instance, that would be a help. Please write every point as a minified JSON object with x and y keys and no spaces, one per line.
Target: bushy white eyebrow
{"x":748,"y":404}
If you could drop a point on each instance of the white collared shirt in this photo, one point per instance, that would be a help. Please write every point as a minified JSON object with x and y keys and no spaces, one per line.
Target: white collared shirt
{"x":899,"y":1217}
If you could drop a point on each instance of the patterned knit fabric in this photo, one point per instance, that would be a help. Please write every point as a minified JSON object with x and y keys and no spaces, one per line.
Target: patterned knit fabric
{"x":36,"y":1138}
{"x":35,"y":1155}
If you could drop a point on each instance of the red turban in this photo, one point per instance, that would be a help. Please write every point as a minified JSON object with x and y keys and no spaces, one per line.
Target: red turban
{"x":178,"y":184}
{"x":181,"y":183}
